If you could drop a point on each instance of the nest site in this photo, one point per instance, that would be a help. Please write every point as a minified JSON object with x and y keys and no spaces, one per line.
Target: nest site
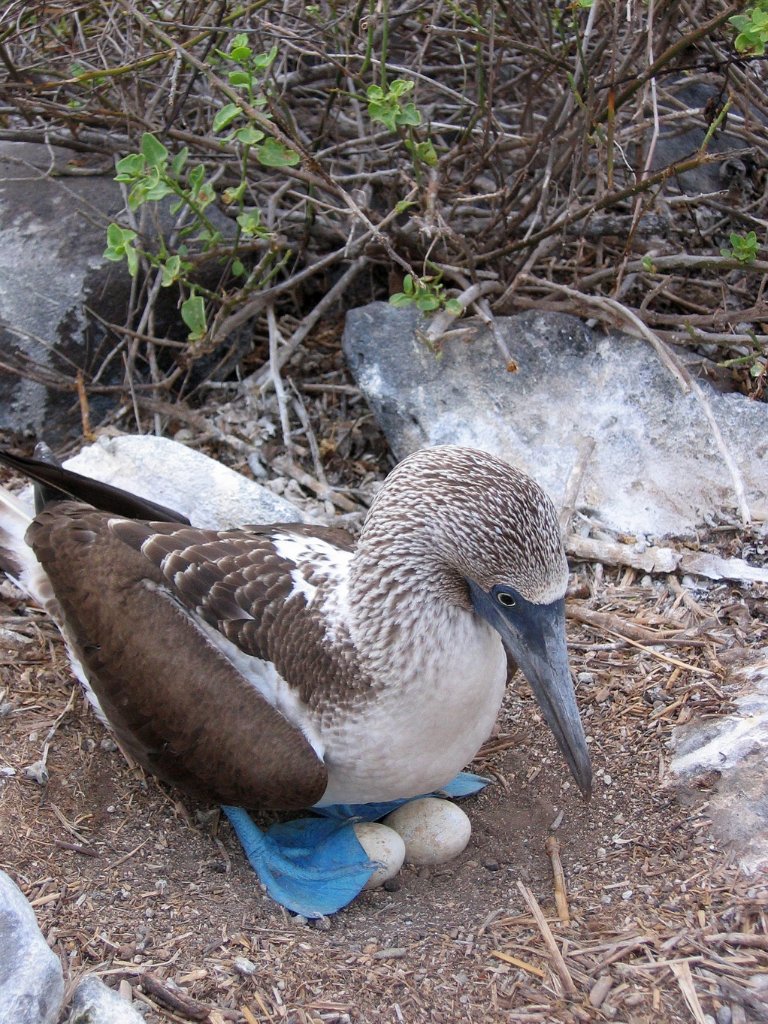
{"x":545,"y":192}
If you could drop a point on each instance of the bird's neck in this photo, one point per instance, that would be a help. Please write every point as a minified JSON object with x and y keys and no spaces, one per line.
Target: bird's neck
{"x":406,"y":605}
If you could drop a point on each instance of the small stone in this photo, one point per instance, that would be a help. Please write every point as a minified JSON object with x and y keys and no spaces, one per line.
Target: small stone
{"x":600,"y":990}
{"x":244,"y":966}
{"x":491,"y":865}
{"x":601,"y":854}
{"x":392,"y":885}
{"x":96,"y":1003}
{"x":321,"y":924}
{"x":108,"y":744}
{"x":37,"y":772}
{"x":31,"y":981}
{"x":627,"y":894}
{"x":434,"y":831}
{"x":724,"y":1015}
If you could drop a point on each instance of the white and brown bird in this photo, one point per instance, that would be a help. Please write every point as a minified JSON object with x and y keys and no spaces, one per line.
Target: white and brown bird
{"x":285,"y":666}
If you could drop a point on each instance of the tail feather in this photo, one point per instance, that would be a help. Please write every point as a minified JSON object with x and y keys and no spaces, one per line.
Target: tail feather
{"x":55,"y":480}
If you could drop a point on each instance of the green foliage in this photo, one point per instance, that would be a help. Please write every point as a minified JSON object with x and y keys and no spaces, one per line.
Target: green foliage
{"x":752,"y":29}
{"x":385,"y":105}
{"x":427,"y":294}
{"x":193,"y":315}
{"x":247,"y":76}
{"x":120,"y":247}
{"x":743,"y":248}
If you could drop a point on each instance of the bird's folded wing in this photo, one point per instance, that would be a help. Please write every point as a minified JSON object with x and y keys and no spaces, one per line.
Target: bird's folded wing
{"x":176,"y":702}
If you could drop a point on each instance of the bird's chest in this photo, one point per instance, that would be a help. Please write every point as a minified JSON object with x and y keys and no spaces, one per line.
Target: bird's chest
{"x":424,"y":724}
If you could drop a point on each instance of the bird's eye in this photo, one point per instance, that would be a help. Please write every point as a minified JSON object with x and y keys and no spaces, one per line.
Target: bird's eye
{"x":506,"y":599}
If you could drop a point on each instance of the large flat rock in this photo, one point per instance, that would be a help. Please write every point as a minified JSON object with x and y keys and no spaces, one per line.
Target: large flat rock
{"x":651,"y":465}
{"x":52,"y":238}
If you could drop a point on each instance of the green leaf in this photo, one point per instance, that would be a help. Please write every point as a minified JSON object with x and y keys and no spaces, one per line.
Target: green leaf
{"x":205,"y":195}
{"x":238,"y":78}
{"x":226,"y":116}
{"x":263,"y":60}
{"x":404,"y":205}
{"x":400,"y":87}
{"x":454,"y":307}
{"x":193,"y":315}
{"x":177,"y":165}
{"x":423,"y":151}
{"x":248,"y":135}
{"x":400,"y":299}
{"x":196,"y":177}
{"x":409,"y":115}
{"x":130,"y":167}
{"x":427,"y":302}
{"x":234,"y":195}
{"x":238,"y":268}
{"x":120,"y":246}
{"x":272,"y":153}
{"x":171,"y":271}
{"x":250,"y":224}
{"x":153,"y":151}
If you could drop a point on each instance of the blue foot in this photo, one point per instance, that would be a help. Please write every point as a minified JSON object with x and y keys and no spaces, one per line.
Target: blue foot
{"x":316,"y":866}
{"x":312,"y":866}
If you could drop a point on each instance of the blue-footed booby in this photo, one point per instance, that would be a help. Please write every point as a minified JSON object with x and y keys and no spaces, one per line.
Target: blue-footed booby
{"x":285,"y":666}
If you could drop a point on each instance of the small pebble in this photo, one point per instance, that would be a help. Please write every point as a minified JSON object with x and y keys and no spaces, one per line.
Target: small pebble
{"x":37,"y":772}
{"x":601,"y":854}
{"x":491,"y":865}
{"x":244,"y":966}
{"x":724,"y":1015}
{"x":627,"y":894}
{"x":108,"y":744}
{"x":600,"y":990}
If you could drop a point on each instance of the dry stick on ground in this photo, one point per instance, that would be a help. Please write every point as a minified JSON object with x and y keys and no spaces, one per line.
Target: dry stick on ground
{"x":549,"y":939}
{"x":552,"y":846}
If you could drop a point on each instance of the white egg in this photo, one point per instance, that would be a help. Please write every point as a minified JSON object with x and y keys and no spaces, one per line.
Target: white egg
{"x":434,"y":831}
{"x":384,"y":847}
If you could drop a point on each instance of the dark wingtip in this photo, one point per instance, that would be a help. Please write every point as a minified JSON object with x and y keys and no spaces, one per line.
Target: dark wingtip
{"x":55,"y":482}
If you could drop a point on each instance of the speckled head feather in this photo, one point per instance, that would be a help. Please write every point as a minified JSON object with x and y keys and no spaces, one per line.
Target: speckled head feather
{"x":474,"y":514}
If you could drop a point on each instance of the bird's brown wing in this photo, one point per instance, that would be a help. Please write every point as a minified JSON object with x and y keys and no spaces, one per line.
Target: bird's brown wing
{"x":176,"y":702}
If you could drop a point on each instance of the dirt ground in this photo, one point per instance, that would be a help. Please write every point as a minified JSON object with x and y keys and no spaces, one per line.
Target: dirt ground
{"x":135,"y":883}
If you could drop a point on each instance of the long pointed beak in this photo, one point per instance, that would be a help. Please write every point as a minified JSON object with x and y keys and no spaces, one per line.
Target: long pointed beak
{"x":534,"y":637}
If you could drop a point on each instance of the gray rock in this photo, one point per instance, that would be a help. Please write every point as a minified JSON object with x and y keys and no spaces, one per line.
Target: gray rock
{"x":31,"y":981}
{"x":730,"y":755}
{"x":52,"y":236}
{"x":654,"y":469}
{"x":58,"y":290}
{"x":682,"y":140}
{"x":96,"y":1003}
